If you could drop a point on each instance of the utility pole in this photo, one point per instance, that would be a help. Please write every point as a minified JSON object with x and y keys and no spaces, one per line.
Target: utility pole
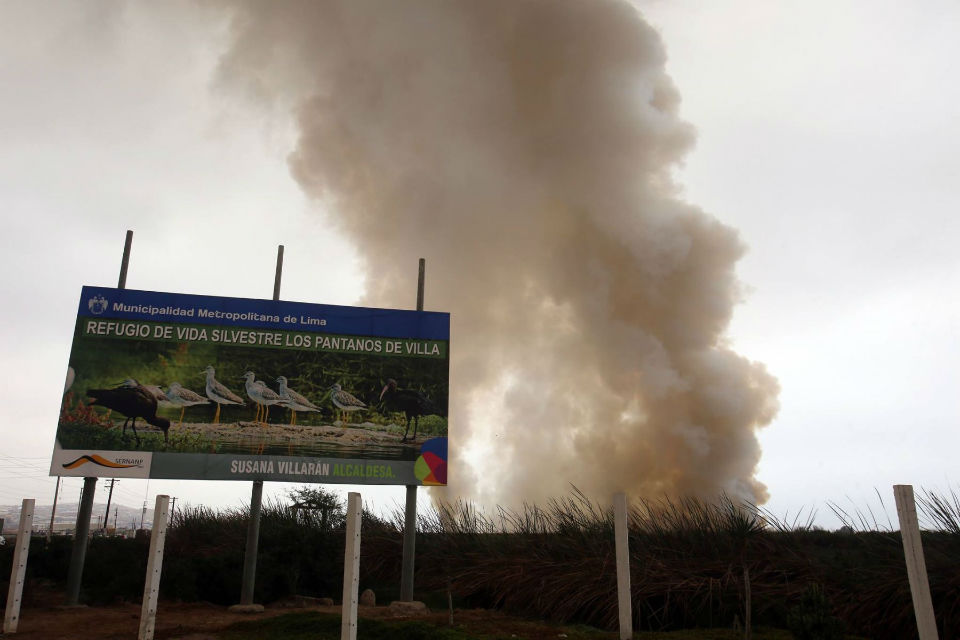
{"x":143,"y":514}
{"x":173,"y":507}
{"x":116,"y":514}
{"x":53,"y":511}
{"x":106,"y":514}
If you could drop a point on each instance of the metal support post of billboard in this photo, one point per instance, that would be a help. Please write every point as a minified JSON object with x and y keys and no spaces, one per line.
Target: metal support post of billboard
{"x":151,"y":586}
{"x":253,"y":541}
{"x":409,"y":544}
{"x":351,"y":568}
{"x":410,"y":510}
{"x":256,"y":495}
{"x":53,"y":510}
{"x":80,"y":537}
{"x":18,"y":571}
{"x":106,"y":513}
{"x":125,"y":262}
{"x":916,"y":565}
{"x":622,"y":545}
{"x":82,"y":530}
{"x":278,"y":274}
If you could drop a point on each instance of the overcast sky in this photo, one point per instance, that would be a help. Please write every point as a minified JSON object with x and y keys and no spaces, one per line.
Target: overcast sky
{"x":827,"y":134}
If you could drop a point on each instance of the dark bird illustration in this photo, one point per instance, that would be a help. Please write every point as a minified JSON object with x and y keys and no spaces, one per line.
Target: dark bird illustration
{"x":133,"y":401}
{"x":412,"y":403}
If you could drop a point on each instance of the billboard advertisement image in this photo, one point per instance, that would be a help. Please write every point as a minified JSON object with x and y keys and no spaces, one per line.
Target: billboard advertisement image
{"x":163,"y":385}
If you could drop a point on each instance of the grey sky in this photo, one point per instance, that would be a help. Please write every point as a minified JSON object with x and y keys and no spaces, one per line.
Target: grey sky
{"x":827,"y":134}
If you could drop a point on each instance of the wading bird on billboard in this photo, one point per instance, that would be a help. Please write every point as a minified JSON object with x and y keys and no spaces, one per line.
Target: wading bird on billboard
{"x":133,"y":402}
{"x":159,"y":394}
{"x":412,"y":403}
{"x":152,"y":389}
{"x":293,"y":400}
{"x":345,"y":401}
{"x":178,"y":396}
{"x":262,"y":395}
{"x":219,"y":393}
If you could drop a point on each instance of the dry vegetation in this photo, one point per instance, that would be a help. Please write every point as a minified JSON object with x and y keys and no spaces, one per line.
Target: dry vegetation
{"x":691,"y":563}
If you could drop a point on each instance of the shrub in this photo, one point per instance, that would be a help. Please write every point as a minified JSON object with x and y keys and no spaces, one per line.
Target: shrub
{"x":813,"y":619}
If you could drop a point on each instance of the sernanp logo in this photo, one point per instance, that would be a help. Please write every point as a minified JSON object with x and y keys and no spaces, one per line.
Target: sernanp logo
{"x":100,"y":461}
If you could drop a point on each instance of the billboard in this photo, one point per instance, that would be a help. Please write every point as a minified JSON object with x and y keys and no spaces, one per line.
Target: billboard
{"x":164,"y":385}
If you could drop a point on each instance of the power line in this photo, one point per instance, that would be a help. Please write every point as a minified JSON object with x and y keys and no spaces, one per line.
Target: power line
{"x":3,"y":455}
{"x":20,"y":464}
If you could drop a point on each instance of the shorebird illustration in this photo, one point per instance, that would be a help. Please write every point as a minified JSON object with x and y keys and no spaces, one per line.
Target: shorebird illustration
{"x":152,"y":389}
{"x":261,"y":394}
{"x":133,"y":402}
{"x":345,"y":401}
{"x":219,"y":393}
{"x":412,"y":403}
{"x":158,"y":393}
{"x":178,"y":396}
{"x":293,"y":400}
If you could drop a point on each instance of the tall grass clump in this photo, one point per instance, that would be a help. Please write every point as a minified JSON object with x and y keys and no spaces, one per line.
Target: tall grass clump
{"x":941,"y":511}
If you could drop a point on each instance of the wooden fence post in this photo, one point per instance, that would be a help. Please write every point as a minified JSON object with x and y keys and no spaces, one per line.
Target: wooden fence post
{"x":151,"y":586}
{"x":351,"y":568}
{"x":916,"y":565}
{"x":623,"y":565}
{"x":19,"y":569}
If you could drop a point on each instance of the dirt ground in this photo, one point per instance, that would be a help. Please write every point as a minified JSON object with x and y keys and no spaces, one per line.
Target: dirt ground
{"x":194,"y":621}
{"x":203,"y":621}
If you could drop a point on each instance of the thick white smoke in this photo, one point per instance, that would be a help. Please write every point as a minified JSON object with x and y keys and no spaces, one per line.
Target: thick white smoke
{"x":524,"y":148}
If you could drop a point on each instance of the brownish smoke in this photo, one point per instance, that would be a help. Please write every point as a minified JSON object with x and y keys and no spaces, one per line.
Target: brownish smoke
{"x":524,"y":148}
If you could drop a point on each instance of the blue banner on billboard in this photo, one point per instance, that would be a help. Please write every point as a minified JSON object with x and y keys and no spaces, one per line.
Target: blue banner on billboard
{"x":130,"y":304}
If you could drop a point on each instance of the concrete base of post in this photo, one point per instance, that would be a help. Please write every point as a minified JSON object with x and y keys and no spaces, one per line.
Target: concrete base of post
{"x":246,"y":608}
{"x":408,"y":608}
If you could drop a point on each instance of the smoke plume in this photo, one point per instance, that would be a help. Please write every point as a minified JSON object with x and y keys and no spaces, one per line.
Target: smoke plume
{"x":525,"y":149}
